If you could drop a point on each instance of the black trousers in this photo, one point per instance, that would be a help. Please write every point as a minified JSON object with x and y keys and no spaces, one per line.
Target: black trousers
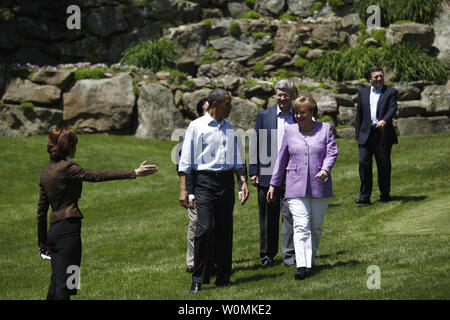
{"x":64,"y":241}
{"x":375,"y":145}
{"x":269,"y":225}
{"x":214,"y":195}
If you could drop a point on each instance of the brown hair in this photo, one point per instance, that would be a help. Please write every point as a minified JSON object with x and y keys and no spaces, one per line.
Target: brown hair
{"x":308,"y":101}
{"x":61,"y":143}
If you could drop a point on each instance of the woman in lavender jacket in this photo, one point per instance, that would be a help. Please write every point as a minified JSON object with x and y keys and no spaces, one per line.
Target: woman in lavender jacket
{"x":307,"y":154}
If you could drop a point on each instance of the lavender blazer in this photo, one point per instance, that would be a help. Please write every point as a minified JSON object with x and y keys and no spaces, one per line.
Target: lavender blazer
{"x":301,"y":159}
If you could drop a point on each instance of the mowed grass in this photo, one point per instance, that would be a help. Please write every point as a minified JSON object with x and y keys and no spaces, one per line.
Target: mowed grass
{"x":134,"y":232}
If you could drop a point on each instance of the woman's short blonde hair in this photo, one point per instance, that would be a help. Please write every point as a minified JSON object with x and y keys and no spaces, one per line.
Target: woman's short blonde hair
{"x":308,"y":101}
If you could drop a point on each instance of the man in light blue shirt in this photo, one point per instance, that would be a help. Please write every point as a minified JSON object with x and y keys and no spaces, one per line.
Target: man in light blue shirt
{"x":210,"y":149}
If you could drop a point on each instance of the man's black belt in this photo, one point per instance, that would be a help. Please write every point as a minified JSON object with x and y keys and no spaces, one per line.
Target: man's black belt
{"x":214,"y":173}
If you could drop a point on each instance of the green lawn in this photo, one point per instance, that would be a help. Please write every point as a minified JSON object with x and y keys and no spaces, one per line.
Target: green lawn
{"x":134,"y":232}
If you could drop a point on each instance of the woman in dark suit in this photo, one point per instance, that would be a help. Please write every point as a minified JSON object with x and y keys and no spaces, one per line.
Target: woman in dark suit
{"x":307,"y":155}
{"x":60,"y":187}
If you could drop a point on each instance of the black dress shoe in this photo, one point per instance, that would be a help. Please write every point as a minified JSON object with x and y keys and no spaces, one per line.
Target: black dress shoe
{"x":268,"y":262}
{"x":300,"y":274}
{"x":385,"y":199}
{"x":362,"y":202}
{"x":195,"y":287}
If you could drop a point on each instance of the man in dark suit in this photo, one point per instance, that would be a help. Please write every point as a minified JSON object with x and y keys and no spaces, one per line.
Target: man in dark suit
{"x":269,"y":131}
{"x":375,"y":133}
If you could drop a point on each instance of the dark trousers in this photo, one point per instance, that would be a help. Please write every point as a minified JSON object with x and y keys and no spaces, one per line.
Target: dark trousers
{"x":214,"y":195}
{"x":269,"y":224}
{"x":375,"y":145}
{"x":64,"y":241}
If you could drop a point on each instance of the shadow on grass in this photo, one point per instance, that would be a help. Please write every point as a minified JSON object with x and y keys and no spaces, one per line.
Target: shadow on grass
{"x":319,"y":268}
{"x":406,"y":199}
{"x":255,"y":266}
{"x":257,"y":277}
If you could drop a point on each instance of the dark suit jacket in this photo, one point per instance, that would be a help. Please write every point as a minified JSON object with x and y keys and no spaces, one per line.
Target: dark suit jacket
{"x":61,"y":185}
{"x":266,"y":119}
{"x":386,"y":108}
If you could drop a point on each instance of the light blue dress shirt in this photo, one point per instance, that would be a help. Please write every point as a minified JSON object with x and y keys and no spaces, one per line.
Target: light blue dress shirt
{"x":374,"y":97}
{"x":209,"y":146}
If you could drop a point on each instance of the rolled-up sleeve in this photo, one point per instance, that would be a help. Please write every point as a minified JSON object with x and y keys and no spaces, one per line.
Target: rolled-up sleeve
{"x":185,"y":165}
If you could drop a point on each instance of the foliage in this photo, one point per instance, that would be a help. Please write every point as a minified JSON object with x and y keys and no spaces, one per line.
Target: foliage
{"x":286,"y":16}
{"x":153,"y":55}
{"x":251,"y":15}
{"x":301,"y":62}
{"x":316,"y":6}
{"x":235,"y":29}
{"x":207,"y":22}
{"x":337,"y":3}
{"x":258,"y":68}
{"x":420,"y":11}
{"x":345,"y":64}
{"x":27,"y":104}
{"x":261,"y":34}
{"x":285,"y":73}
{"x":380,"y":36}
{"x":406,"y":62}
{"x":89,"y":73}
{"x":302,"y":51}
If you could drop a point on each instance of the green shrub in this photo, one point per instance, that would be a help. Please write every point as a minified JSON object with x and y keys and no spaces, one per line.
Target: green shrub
{"x":175,"y":73}
{"x":286,"y":16}
{"x":403,"y":21}
{"x":153,"y":55}
{"x":408,"y":63}
{"x":258,"y":35}
{"x":380,"y":36}
{"x":251,"y":15}
{"x":258,"y":68}
{"x":301,"y":62}
{"x":316,"y":6}
{"x":88,"y":73}
{"x":336,"y":3}
{"x":207,"y":22}
{"x":325,"y":119}
{"x":189,"y":83}
{"x":345,"y":64}
{"x":302,"y":51}
{"x":27,"y":104}
{"x":235,"y":29}
{"x":421,"y":11}
{"x":284,"y":73}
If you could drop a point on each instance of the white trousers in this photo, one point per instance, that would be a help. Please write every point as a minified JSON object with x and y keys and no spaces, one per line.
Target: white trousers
{"x":307,"y":214}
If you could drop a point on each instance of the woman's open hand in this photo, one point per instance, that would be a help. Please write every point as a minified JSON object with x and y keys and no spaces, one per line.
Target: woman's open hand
{"x":145,"y":169}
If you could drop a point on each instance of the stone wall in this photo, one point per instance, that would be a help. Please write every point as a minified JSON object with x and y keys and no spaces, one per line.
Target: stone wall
{"x":151,"y":105}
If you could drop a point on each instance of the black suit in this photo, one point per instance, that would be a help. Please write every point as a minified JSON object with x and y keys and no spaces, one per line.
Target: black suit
{"x":372,"y":141}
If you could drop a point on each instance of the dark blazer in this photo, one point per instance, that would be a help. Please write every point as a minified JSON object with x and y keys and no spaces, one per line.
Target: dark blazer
{"x":386,"y":109}
{"x":266,"y":119}
{"x":61,"y":185}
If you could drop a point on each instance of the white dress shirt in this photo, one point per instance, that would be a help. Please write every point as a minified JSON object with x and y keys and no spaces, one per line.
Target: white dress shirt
{"x":282,"y":122}
{"x":374,"y":97}
{"x":209,"y":146}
